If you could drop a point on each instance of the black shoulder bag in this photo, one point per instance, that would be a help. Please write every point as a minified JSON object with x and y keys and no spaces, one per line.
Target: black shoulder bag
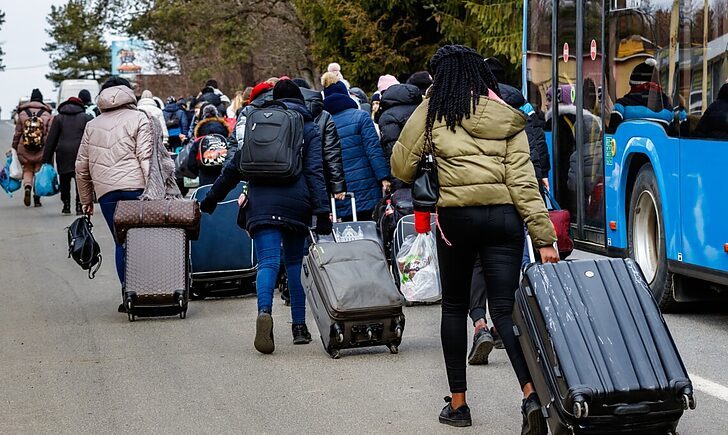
{"x":426,"y":187}
{"x":82,"y":246}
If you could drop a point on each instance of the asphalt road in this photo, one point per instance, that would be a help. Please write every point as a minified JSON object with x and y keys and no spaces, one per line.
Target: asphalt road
{"x":72,"y":364}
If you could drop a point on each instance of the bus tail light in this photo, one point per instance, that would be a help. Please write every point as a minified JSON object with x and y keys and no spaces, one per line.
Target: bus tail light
{"x":613,"y":227}
{"x":725,"y":247}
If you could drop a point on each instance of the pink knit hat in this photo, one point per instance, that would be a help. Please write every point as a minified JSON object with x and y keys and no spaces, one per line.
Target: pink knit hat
{"x":385,"y":82}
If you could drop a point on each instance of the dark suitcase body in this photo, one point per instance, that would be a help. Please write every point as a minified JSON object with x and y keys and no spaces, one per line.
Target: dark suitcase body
{"x":157,"y":272}
{"x":598,"y":349}
{"x":222,"y":259}
{"x":352,"y":296}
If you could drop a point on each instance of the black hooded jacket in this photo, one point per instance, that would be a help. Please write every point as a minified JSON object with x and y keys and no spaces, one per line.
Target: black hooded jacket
{"x":330,"y":143}
{"x":397,"y":104}
{"x":714,"y":123}
{"x":64,"y":137}
{"x":534,"y":130}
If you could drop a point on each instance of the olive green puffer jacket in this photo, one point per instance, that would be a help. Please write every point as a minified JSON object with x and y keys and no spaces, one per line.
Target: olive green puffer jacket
{"x":486,"y":161}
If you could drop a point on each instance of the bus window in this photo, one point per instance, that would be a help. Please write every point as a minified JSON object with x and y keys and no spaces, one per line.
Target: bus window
{"x":704,"y":68}
{"x":641,"y":64}
{"x":539,"y":54}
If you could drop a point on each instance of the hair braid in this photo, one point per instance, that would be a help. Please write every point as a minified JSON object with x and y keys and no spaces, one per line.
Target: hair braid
{"x":460,"y":77}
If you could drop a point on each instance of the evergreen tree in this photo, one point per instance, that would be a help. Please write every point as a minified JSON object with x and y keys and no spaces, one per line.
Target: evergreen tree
{"x":2,"y":52}
{"x":77,"y":48}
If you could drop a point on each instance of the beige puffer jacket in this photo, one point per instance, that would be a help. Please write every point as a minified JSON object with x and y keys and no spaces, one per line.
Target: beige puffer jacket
{"x":116,"y":147}
{"x":486,"y":161}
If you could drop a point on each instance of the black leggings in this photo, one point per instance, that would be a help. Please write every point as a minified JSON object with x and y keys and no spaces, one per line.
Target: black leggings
{"x":65,"y":187}
{"x":495,"y":233}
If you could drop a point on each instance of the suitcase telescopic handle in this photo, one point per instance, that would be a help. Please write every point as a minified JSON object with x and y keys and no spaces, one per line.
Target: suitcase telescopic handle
{"x":353,"y":206}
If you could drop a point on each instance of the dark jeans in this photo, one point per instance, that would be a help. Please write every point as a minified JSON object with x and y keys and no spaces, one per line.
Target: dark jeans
{"x":268,"y":250}
{"x":495,"y":233}
{"x":65,"y":182}
{"x":107,"y":203}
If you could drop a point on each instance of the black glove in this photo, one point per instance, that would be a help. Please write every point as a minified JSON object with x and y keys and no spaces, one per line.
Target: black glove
{"x":208,"y":205}
{"x":323,"y":224}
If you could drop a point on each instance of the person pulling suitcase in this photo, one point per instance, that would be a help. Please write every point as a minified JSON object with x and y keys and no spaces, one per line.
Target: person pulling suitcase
{"x":281,"y":200}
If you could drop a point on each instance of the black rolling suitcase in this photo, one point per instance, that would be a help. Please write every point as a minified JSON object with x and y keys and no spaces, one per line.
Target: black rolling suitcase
{"x":598,"y":349}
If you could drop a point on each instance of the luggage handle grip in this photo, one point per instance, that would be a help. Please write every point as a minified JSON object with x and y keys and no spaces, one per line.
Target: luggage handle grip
{"x":531,"y":253}
{"x":353,"y":207}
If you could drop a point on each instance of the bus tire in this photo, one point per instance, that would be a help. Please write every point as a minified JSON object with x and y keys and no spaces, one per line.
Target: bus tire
{"x":646,"y":236}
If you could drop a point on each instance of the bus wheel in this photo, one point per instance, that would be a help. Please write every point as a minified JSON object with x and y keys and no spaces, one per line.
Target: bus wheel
{"x":647,"y":237}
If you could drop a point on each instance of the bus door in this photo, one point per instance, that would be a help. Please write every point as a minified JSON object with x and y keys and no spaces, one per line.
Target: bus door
{"x":579,"y":110}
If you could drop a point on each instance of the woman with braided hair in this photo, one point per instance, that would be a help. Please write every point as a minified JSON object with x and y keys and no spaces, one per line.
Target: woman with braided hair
{"x":487,"y":190}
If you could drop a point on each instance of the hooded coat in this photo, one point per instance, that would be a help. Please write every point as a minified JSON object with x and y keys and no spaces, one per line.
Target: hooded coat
{"x":364,"y":163}
{"x":397,"y":104}
{"x":486,"y":161}
{"x":65,"y":135}
{"x":25,"y":155}
{"x":289,"y":206}
{"x":714,"y":123}
{"x":116,"y":147}
{"x":534,"y":130}
{"x":207,"y":174}
{"x":330,"y":142}
{"x":149,"y":106}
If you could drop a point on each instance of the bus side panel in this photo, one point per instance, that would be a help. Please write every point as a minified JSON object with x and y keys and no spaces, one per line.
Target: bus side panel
{"x":550,"y":146}
{"x":650,"y":140}
{"x":704,"y":196}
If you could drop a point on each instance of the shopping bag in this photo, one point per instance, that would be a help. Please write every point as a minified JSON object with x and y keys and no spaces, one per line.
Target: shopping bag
{"x":16,"y":169}
{"x":46,"y":181}
{"x":419,"y":274}
{"x":8,"y":183}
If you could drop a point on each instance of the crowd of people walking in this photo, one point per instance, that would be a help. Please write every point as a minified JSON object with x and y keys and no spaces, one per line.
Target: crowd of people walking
{"x":484,"y":139}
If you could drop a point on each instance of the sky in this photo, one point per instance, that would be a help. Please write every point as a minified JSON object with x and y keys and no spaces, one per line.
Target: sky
{"x":23,"y":36}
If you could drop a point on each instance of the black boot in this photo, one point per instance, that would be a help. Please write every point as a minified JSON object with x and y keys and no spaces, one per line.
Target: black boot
{"x":79,"y":209}
{"x":534,"y":422}
{"x":66,"y":207}
{"x":455,"y":417}
{"x":300,"y":334}
{"x":36,"y":201}
{"x":26,"y":198}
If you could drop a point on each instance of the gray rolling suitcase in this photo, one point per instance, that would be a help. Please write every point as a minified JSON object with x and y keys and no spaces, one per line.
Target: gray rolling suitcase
{"x":157,"y":272}
{"x":598,"y":349}
{"x":352,"y":296}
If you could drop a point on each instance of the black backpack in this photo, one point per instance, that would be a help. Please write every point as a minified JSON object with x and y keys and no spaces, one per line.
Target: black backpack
{"x":272,"y":148}
{"x":82,"y":246}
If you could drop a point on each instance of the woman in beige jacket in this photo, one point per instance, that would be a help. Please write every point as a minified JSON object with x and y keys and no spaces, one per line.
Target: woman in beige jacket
{"x":487,"y":190}
{"x":113,"y":160}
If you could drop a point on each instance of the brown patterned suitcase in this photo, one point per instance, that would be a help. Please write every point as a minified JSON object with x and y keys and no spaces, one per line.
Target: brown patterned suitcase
{"x":157,"y":272}
{"x":177,"y":213}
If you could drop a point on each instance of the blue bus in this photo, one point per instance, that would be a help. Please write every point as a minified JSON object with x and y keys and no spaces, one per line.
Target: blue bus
{"x":634,"y":96}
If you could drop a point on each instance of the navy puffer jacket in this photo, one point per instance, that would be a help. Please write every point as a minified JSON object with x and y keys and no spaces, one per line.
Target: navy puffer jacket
{"x":290,"y":206}
{"x":364,"y":163}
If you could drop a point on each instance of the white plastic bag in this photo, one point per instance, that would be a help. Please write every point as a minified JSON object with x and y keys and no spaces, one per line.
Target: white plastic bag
{"x":16,"y":169}
{"x":419,"y":274}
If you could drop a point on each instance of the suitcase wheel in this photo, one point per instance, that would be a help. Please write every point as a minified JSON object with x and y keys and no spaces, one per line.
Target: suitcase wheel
{"x":182,"y":306}
{"x":335,"y":353}
{"x":581,"y":409}
{"x":393,"y":348}
{"x":129,"y":307}
{"x":340,"y":337}
{"x":688,"y":401}
{"x":398,"y":332}
{"x":131,"y":316}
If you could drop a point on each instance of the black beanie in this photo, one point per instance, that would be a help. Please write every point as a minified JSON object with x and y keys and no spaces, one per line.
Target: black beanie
{"x":115,"y":81}
{"x":287,"y":89}
{"x":421,"y":79}
{"x":85,"y":96}
{"x":36,"y":96}
{"x":642,"y":73}
{"x":302,"y":83}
